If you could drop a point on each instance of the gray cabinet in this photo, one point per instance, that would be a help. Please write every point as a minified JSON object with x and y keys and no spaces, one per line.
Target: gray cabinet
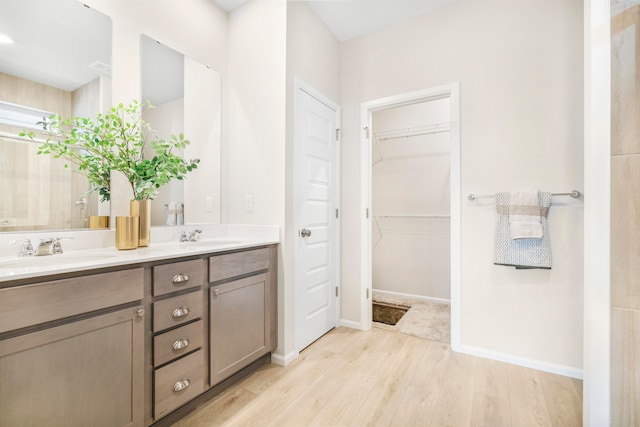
{"x":85,"y":373}
{"x":242,"y":310}
{"x":239,"y":328}
{"x":178,"y":353}
{"x":79,"y":350}
{"x":72,"y":351}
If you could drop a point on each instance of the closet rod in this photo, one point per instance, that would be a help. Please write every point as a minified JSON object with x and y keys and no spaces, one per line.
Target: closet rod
{"x":574,"y":193}
{"x":413,"y":134}
{"x":415,"y":131}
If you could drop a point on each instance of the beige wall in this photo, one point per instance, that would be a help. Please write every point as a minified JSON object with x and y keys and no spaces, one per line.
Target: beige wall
{"x":625,"y":227}
{"x":521,"y":109}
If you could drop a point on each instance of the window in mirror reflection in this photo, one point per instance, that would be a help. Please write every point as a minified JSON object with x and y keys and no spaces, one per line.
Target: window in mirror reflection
{"x":49,"y":69}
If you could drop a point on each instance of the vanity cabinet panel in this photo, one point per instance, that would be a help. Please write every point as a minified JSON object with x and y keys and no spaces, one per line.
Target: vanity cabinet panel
{"x":239,"y":325}
{"x":86,"y":373}
{"x":177,"y":342}
{"x":238,"y":263}
{"x":168,"y":278}
{"x":177,"y":310}
{"x":30,"y":305}
{"x":178,"y":382}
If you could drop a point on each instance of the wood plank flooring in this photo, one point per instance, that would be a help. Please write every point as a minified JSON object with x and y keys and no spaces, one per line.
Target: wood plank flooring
{"x":382,"y":378}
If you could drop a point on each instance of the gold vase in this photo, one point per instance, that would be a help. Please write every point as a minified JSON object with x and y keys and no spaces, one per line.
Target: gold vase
{"x":142,"y":209}
{"x":98,"y":221}
{"x":127,"y":232}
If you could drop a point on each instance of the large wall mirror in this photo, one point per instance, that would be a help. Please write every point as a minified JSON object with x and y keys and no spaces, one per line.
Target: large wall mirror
{"x":59,"y":62}
{"x":186,"y":99}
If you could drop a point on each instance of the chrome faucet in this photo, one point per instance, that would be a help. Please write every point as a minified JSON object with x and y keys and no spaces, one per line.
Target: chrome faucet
{"x":191,"y":236}
{"x":26,"y":249}
{"x":50,"y":246}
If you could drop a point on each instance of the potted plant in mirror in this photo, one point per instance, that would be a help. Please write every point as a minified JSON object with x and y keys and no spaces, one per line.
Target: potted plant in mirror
{"x":117,"y":141}
{"x":81,"y":142}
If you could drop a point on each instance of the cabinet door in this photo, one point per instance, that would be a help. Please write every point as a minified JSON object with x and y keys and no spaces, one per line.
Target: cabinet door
{"x":85,"y":373}
{"x":240,"y":325}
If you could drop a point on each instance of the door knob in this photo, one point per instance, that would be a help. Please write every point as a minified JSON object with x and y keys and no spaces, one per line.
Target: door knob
{"x":305,"y":233}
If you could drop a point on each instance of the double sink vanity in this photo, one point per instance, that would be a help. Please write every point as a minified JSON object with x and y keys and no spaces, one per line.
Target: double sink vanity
{"x":103,"y":337}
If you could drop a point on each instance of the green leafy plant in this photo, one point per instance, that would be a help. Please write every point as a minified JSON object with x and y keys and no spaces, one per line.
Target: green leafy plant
{"x":116,"y":141}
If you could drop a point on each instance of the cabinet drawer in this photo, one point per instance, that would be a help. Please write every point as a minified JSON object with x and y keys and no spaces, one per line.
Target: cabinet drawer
{"x":178,"y":382}
{"x":177,"y":310}
{"x":29,"y":305}
{"x":236,"y":264}
{"x":169,"y":345}
{"x":169,"y":278}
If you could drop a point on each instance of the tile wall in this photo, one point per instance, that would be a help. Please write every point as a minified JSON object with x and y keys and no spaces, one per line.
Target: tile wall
{"x":625,"y":213}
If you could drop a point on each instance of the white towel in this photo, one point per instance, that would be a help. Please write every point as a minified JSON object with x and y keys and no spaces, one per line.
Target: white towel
{"x":179,"y":213}
{"x":525,"y":215}
{"x":171,"y":214}
{"x":521,"y":253}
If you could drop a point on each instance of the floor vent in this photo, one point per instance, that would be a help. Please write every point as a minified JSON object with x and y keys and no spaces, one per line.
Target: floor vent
{"x":389,"y":314}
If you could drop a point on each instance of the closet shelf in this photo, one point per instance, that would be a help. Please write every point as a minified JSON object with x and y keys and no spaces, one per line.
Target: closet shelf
{"x":408,"y":133}
{"x":413,"y":131}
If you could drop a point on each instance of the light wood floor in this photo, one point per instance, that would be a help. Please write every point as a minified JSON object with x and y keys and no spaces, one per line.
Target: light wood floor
{"x":382,"y":378}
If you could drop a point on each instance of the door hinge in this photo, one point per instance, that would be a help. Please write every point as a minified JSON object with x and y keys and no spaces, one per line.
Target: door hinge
{"x":367,"y":213}
{"x":367,"y":293}
{"x":336,"y":291}
{"x":366,"y":130}
{"x":337,"y":213}
{"x":338,"y":134}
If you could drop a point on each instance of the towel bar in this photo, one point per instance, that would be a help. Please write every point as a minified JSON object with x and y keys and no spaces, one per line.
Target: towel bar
{"x":574,"y":193}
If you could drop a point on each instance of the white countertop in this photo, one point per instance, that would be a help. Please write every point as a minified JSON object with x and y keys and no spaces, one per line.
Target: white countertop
{"x":80,"y":256}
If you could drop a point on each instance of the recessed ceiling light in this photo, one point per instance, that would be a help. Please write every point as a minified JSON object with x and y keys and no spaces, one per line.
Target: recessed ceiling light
{"x":5,"y":39}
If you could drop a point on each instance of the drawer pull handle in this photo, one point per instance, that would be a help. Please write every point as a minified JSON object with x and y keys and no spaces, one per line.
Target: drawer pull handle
{"x":180,"y":344}
{"x":140,"y":312}
{"x":180,"y":312}
{"x":180,"y":278}
{"x":181,"y":385}
{"x":216,"y":292}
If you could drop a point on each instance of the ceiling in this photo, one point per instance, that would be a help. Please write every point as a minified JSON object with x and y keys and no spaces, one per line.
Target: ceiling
{"x":71,"y":54}
{"x":348,"y":19}
{"x":63,"y":44}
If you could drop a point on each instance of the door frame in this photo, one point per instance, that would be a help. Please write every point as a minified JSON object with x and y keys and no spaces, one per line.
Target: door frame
{"x":301,"y":85}
{"x":451,"y":91}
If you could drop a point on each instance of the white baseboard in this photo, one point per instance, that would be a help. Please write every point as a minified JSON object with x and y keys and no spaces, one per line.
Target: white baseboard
{"x":284,"y":360}
{"x":412,"y":296}
{"x":553,"y":368}
{"x":351,"y":324}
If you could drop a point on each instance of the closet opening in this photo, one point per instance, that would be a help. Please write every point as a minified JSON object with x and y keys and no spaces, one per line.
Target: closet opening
{"x":412,"y":203}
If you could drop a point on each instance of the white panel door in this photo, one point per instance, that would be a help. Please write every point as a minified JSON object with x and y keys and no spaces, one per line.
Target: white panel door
{"x":316,"y":165}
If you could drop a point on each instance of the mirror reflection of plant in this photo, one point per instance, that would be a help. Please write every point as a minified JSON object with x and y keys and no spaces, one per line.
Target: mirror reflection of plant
{"x":81,"y":142}
{"x":116,"y":141}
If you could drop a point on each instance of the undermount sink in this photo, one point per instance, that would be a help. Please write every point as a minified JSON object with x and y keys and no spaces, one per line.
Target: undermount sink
{"x":49,"y":260}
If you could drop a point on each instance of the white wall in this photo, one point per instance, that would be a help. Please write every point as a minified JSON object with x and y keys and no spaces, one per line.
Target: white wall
{"x":198,"y":31}
{"x":313,"y":55}
{"x":410,"y":176}
{"x":520,"y":69}
{"x":597,"y":248}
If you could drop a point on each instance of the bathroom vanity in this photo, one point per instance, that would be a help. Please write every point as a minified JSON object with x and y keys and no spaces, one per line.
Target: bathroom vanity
{"x":133,"y":339}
